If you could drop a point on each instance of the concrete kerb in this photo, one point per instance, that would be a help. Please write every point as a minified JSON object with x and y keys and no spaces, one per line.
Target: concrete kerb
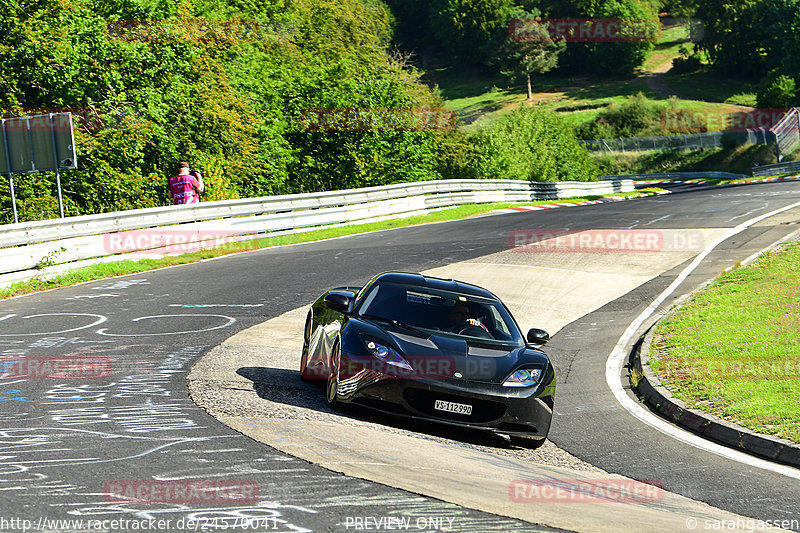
{"x":704,"y":424}
{"x":721,"y":431}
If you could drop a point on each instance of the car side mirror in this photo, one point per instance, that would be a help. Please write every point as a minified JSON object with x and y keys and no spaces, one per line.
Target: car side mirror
{"x":339,"y":300}
{"x":538,"y":336}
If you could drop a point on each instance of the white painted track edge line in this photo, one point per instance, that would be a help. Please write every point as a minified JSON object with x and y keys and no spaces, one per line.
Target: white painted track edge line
{"x":617,"y":357}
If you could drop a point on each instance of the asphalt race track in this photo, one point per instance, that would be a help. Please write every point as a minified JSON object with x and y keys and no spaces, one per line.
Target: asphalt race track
{"x":67,"y":444}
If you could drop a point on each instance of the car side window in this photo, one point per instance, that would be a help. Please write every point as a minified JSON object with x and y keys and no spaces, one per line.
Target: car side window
{"x":499,"y":323}
{"x":369,"y":299}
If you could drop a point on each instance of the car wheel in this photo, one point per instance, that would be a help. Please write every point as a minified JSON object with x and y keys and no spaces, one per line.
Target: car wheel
{"x":305,"y":375}
{"x":530,"y":443}
{"x":333,"y":375}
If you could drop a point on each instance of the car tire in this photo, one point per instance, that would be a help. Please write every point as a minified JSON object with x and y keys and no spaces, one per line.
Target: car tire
{"x":331,"y":393}
{"x":531,"y":443}
{"x":305,"y":375}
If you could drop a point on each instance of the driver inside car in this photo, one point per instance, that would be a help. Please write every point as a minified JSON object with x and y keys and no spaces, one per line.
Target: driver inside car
{"x":458,"y":317}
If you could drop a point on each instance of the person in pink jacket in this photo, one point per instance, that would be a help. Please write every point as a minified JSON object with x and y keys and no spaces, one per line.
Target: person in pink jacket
{"x":185,"y":188}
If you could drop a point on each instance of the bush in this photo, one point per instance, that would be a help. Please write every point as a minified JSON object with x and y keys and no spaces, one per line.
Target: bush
{"x":639,"y":117}
{"x":455,"y":154}
{"x":686,"y":63}
{"x":597,"y":129}
{"x":530,"y":144}
{"x":780,"y":93}
{"x":634,"y":116}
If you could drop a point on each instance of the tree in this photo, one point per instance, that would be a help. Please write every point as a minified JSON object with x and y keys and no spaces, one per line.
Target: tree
{"x":777,"y":26}
{"x":729,"y":39}
{"x":527,"y":48}
{"x":778,"y":92}
{"x":466,"y":27}
{"x":624,"y":56}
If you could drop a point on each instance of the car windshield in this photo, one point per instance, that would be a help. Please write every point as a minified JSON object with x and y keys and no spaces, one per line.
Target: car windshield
{"x":441,"y":312}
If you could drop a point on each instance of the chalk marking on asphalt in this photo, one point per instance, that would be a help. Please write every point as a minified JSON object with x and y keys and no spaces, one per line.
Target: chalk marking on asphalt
{"x":617,"y":358}
{"x":100,"y":320}
{"x":230,"y":321}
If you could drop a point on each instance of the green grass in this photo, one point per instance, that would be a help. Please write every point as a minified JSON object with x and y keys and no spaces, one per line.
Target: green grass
{"x":667,"y":47}
{"x":119,"y":268}
{"x":703,"y":85}
{"x":470,"y":109}
{"x":577,"y":101}
{"x":734,"y":350}
{"x":478,"y":99}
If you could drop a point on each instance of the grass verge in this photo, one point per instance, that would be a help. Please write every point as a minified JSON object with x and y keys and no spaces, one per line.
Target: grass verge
{"x":119,"y":268}
{"x":734,"y":350}
{"x":668,"y":46}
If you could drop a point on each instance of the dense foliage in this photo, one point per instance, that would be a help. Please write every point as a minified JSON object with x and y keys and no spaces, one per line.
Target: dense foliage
{"x":476,"y":31}
{"x":223,"y":86}
{"x":527,"y":143}
{"x":255,"y":92}
{"x":757,"y":40}
{"x":519,"y":57}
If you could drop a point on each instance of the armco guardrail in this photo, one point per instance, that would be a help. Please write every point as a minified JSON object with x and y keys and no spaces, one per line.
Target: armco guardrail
{"x":28,"y":245}
{"x":787,"y":132}
{"x":713,"y":175}
{"x":777,"y":169}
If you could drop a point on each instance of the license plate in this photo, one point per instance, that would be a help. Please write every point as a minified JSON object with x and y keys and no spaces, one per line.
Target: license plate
{"x":453,"y":407}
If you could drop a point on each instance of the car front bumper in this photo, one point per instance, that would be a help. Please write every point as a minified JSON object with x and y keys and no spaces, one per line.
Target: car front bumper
{"x":509,"y":410}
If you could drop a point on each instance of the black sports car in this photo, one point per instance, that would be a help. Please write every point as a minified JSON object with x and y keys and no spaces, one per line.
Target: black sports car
{"x":430,"y":348}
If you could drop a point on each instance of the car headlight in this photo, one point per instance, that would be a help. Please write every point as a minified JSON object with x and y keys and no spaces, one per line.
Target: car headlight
{"x":386,"y":354}
{"x":524,"y":377}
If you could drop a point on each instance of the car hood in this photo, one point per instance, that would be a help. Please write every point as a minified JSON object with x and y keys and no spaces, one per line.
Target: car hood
{"x":447,"y":357}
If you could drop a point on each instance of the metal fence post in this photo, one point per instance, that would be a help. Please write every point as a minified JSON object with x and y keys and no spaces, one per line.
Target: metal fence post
{"x":58,"y":165}
{"x":10,"y":173}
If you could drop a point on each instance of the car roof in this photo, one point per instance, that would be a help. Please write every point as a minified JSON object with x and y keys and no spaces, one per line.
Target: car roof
{"x":418,"y":280}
